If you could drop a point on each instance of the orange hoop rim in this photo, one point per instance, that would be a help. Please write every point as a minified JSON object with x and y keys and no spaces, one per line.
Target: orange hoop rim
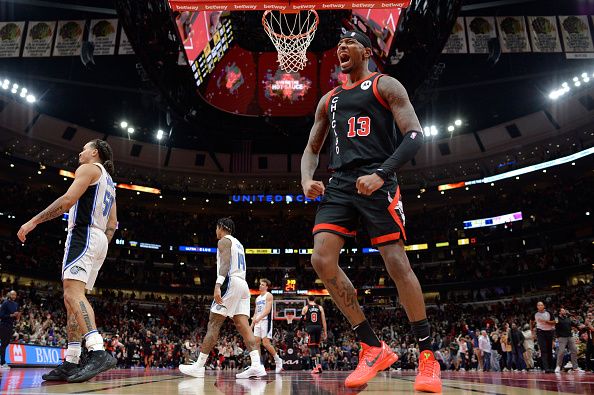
{"x":312,"y":28}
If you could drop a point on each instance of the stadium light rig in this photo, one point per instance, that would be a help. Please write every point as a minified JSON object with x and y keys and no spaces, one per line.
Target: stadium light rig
{"x":577,"y":82}
{"x":14,"y":89}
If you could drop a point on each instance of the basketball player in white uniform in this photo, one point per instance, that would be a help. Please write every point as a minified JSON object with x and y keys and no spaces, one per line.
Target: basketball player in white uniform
{"x":92,"y":221}
{"x":262,"y":322}
{"x":231,"y":299}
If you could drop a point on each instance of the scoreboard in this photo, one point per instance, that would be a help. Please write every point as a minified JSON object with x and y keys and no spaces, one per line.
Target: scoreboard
{"x":213,"y":51}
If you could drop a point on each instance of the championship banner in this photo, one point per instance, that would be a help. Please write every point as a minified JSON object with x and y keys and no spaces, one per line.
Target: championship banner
{"x":544,"y":34}
{"x":287,"y":5}
{"x":32,"y":355}
{"x":39,"y":39}
{"x":125,"y":48}
{"x":480,"y":30}
{"x":457,"y":41}
{"x":11,"y":38}
{"x":576,"y":33}
{"x":512,"y":34}
{"x":69,"y":38}
{"x":103,"y":35}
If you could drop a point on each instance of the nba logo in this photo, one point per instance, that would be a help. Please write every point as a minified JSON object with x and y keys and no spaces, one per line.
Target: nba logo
{"x":17,"y":353}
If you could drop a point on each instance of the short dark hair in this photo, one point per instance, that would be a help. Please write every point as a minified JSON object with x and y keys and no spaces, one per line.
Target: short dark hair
{"x":105,"y":154}
{"x":311,"y":298}
{"x":266,"y":281}
{"x":227,"y":224}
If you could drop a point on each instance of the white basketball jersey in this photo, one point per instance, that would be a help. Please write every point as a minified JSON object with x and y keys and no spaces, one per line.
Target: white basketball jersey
{"x":237,"y":259}
{"x":93,"y":207}
{"x":261,"y":303}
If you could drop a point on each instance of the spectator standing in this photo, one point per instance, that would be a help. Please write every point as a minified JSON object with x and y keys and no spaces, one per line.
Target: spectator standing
{"x":8,"y":315}
{"x":485,"y":350}
{"x":528,"y":347}
{"x":566,"y":340}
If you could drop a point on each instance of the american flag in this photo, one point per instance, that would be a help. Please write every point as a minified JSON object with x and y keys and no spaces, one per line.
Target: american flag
{"x":241,"y":157}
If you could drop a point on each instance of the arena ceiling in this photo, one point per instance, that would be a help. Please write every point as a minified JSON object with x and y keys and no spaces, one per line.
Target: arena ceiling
{"x":115,"y":88}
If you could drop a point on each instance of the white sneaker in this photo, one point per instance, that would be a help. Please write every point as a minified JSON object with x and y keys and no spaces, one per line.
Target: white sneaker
{"x":5,"y":366}
{"x":252,"y":371}
{"x":578,"y":370}
{"x":557,"y":369}
{"x":192,"y":370}
{"x":279,"y":366}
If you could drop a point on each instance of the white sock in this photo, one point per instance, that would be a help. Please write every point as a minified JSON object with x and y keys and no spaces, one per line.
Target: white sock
{"x":277,"y":358}
{"x":255,"y":357}
{"x":73,"y":352}
{"x":202,"y":360}
{"x":94,"y":341}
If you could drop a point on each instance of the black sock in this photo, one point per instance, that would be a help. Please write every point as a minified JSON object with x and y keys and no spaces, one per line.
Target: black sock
{"x":422,"y":333}
{"x":366,"y":335}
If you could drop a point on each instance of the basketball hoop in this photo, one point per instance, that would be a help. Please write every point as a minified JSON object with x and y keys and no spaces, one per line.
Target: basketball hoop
{"x":291,"y":33}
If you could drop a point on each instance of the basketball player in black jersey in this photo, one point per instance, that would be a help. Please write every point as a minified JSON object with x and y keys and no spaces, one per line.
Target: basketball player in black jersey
{"x":359,"y":116}
{"x":314,"y":320}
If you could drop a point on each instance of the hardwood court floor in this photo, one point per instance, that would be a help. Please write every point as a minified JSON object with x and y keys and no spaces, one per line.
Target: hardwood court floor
{"x":170,"y":382}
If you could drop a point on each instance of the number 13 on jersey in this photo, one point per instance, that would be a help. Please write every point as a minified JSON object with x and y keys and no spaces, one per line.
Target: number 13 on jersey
{"x":359,"y":126}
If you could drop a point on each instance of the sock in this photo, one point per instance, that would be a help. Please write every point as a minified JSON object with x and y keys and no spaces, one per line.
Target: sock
{"x":94,"y":341}
{"x":255,"y":357}
{"x":422,"y":333}
{"x":277,"y":358}
{"x":73,"y":352}
{"x":366,"y":335}
{"x":202,"y":360}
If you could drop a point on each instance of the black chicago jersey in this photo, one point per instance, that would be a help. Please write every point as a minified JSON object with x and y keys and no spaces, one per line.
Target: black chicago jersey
{"x":313,"y":316}
{"x":362,"y":130}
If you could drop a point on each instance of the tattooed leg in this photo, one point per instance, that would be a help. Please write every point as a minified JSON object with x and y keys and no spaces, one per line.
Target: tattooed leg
{"x":72,"y":328}
{"x":325,"y":262}
{"x":215,"y":322}
{"x":78,"y":305}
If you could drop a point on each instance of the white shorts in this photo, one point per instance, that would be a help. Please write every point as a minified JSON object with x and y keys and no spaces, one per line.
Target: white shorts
{"x":236,"y":298}
{"x":263,"y":329}
{"x":84,"y":254}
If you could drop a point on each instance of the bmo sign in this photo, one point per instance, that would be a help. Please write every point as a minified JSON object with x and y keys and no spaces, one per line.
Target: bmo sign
{"x":27,"y":354}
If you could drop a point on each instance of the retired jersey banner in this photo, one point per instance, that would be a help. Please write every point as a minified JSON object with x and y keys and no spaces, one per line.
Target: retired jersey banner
{"x":512,"y":34}
{"x":480,"y":30}
{"x":28,"y":354}
{"x":39,"y":39}
{"x":125,"y":48}
{"x":544,"y":34}
{"x":103,"y":35}
{"x":69,"y":38}
{"x":11,"y":38}
{"x":457,"y":40}
{"x":286,"y":5}
{"x":576,"y":33}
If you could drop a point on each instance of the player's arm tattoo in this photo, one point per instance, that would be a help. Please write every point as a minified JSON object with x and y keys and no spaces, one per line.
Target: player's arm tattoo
{"x":395,"y":95}
{"x":224,"y":246}
{"x":317,"y":136}
{"x":86,"y":316}
{"x":52,"y":211}
{"x":109,"y":233}
{"x":215,"y":322}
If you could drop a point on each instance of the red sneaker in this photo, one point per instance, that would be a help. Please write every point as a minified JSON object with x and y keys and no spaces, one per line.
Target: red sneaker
{"x":429,"y":376}
{"x":371,"y":361}
{"x":315,"y":370}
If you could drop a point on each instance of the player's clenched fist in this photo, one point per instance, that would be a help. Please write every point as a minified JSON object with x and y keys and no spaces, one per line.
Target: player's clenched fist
{"x":312,"y":189}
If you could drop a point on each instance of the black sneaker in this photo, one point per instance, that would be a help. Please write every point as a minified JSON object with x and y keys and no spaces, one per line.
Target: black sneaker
{"x":98,"y":362}
{"x":61,"y":372}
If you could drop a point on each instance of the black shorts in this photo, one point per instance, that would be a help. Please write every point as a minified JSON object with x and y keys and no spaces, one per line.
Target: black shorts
{"x":342,"y":207}
{"x":315,"y":334}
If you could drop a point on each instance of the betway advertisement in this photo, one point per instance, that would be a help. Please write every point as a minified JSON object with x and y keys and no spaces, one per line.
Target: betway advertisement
{"x":31,"y":355}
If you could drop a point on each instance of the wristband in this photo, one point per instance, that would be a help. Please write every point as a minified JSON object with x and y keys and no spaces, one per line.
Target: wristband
{"x":220,"y":280}
{"x":381,"y":173}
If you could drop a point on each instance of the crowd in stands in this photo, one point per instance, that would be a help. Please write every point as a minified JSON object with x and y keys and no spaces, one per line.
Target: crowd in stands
{"x":164,"y":332}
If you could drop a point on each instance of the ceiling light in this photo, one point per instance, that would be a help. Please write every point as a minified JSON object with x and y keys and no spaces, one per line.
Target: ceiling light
{"x":159,"y":134}
{"x":565,"y":85}
{"x":451,"y":128}
{"x":577,"y":83}
{"x":434,"y":130}
{"x":15,"y":86}
{"x":31,"y":99}
{"x":123,"y":124}
{"x":576,"y":79}
{"x":130,"y":130}
{"x":458,"y":122}
{"x":586,"y":79}
{"x":23,"y":94}
{"x":584,"y":75}
{"x":427,"y":130}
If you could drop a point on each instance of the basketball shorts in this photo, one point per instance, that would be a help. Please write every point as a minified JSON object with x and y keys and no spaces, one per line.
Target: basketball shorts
{"x":236,"y":298}
{"x":341,"y":209}
{"x":84,"y":253}
{"x":315,"y":334}
{"x":263,"y":329}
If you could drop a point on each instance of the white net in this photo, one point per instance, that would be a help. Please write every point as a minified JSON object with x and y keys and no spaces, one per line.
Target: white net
{"x":291,"y":34}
